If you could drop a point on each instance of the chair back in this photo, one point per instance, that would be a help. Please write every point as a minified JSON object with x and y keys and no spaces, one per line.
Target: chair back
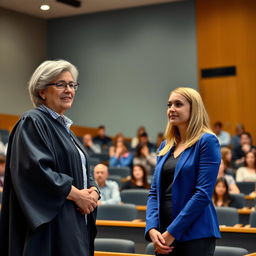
{"x":219,"y":250}
{"x":4,"y":135}
{"x":246,"y":187}
{"x":135,"y":196}
{"x":150,"y":249}
{"x":229,"y":251}
{"x":120,"y":171}
{"x":237,"y":200}
{"x":227,"y":216}
{"x":126,"y":212}
{"x":103,"y":157}
{"x":252,"y":219}
{"x":114,"y":245}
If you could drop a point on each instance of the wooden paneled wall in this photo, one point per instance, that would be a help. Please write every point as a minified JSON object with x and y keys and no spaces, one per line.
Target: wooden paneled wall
{"x":226,"y":37}
{"x":8,"y":121}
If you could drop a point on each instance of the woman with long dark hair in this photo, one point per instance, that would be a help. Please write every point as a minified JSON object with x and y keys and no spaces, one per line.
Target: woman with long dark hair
{"x":138,"y":178}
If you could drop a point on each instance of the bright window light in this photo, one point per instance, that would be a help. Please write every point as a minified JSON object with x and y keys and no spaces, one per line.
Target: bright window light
{"x":45,"y":7}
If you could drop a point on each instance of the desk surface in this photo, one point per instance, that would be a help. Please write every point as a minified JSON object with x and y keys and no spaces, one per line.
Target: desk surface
{"x":142,"y":224}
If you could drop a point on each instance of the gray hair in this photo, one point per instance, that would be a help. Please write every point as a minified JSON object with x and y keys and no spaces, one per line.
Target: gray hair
{"x":44,"y":74}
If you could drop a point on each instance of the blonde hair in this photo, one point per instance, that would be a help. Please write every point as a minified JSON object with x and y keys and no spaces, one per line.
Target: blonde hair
{"x":47,"y":71}
{"x":224,"y":152}
{"x":198,"y":121}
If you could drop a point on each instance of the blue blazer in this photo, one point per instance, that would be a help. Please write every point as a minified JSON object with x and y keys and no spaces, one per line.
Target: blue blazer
{"x":193,"y":215}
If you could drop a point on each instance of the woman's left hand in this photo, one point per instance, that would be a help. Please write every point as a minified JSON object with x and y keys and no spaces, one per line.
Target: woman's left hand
{"x":169,"y":239}
{"x":93,"y":193}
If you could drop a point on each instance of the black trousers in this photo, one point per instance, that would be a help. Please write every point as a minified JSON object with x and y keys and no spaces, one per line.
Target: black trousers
{"x":197,"y":247}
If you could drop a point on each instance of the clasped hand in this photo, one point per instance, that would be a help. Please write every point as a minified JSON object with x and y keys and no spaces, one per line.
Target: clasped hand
{"x":87,"y":200}
{"x":161,"y":242}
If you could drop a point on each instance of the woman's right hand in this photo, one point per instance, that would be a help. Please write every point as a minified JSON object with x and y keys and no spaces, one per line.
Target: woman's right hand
{"x":159,"y":242}
{"x":83,"y":199}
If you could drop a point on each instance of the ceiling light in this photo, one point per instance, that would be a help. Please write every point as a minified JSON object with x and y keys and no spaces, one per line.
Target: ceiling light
{"x":44,"y":7}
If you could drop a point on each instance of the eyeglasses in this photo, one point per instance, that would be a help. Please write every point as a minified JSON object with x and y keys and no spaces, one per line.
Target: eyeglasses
{"x":64,"y":85}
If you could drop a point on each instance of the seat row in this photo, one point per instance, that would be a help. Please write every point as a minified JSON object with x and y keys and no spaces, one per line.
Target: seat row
{"x":128,"y":246}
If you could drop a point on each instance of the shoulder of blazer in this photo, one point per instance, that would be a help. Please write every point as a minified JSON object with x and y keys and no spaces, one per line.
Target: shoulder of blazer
{"x":208,"y":137}
{"x":161,"y":146}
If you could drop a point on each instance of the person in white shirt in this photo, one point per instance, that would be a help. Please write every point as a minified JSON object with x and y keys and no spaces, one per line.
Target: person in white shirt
{"x":90,"y":147}
{"x":223,"y":137}
{"x":109,"y":189}
{"x":247,"y":172}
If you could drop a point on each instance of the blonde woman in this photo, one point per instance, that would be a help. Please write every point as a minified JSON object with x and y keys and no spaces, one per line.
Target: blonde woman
{"x":181,"y":218}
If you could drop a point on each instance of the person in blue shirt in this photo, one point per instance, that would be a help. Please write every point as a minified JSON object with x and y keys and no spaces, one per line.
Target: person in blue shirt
{"x":181,"y":219}
{"x":121,"y":157}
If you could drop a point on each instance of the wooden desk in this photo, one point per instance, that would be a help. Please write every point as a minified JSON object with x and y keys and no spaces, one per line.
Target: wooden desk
{"x":231,"y":236}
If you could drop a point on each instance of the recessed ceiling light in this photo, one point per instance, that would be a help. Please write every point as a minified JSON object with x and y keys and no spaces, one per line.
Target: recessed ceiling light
{"x":44,"y":7}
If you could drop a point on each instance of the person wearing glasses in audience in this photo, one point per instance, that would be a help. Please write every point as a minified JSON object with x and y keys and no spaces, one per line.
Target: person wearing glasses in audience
{"x":49,"y":195}
{"x":181,"y":218}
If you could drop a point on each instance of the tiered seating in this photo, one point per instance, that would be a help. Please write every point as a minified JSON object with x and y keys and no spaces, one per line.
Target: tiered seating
{"x":125,"y":212}
{"x":114,"y":245}
{"x":227,"y":216}
{"x":135,"y":196}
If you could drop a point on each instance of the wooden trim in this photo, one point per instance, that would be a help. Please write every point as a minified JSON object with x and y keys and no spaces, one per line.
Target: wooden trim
{"x":99,"y":253}
{"x":245,"y":211}
{"x":118,"y":223}
{"x":237,"y":229}
{"x":248,"y":197}
{"x":8,"y":121}
{"x":130,"y":224}
{"x":141,"y":207}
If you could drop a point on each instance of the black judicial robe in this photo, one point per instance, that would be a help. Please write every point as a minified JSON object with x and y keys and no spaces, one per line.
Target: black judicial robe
{"x":36,"y":218}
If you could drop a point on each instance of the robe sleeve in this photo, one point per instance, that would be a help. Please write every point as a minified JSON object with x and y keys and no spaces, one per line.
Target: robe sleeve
{"x":40,"y":188}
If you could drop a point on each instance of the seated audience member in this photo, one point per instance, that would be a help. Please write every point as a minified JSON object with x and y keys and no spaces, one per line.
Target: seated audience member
{"x":146,"y":158}
{"x":230,"y":166}
{"x":109,"y":189}
{"x":159,"y":139}
{"x":89,"y":146}
{"x":221,"y":195}
{"x":247,"y":172}
{"x":2,"y":169}
{"x":135,"y":140}
{"x":143,"y":140}
{"x":232,"y":187}
{"x":235,"y":139}
{"x":120,"y":157}
{"x":3,"y":148}
{"x":119,"y":138}
{"x":223,"y":137}
{"x":138,"y":178}
{"x":102,"y":139}
{"x":244,"y":147}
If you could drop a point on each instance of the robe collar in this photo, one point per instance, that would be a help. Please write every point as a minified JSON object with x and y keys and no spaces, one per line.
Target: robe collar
{"x":65,"y":121}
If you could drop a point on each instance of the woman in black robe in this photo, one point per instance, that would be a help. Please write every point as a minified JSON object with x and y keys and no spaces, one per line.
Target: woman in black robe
{"x":49,"y":196}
